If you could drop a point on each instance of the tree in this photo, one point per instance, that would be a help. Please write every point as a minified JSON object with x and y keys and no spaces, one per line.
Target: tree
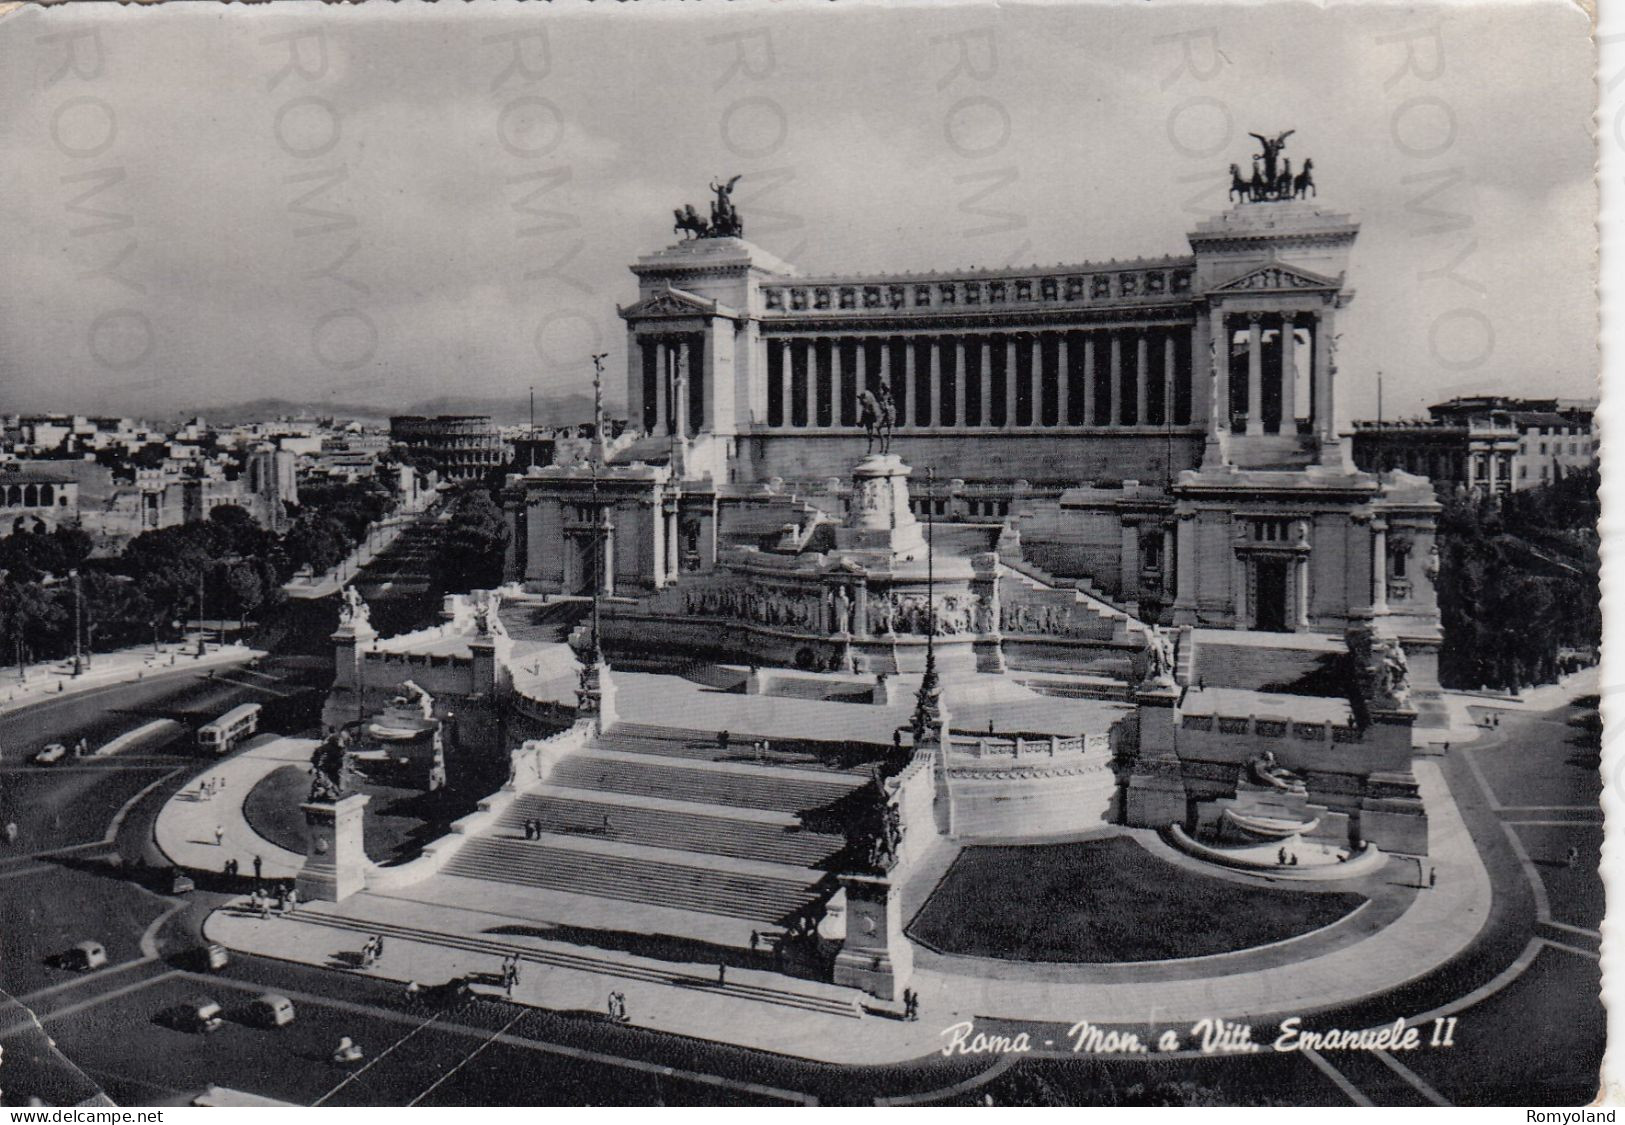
{"x":1519,"y":581}
{"x":473,"y":546}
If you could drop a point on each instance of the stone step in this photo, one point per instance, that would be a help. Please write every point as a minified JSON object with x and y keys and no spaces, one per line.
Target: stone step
{"x":798,"y":753}
{"x":711,"y":786}
{"x":680,"y":831}
{"x":752,"y":897}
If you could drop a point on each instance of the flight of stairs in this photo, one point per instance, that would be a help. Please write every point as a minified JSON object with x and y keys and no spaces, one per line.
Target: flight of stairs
{"x":666,"y":817}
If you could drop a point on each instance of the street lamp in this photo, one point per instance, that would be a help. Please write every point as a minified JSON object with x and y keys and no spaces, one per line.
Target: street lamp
{"x":925,"y":703}
{"x":202,"y":631}
{"x":78,"y":619}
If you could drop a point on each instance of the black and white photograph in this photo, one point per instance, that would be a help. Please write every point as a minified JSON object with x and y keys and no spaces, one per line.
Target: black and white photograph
{"x":800,"y":554}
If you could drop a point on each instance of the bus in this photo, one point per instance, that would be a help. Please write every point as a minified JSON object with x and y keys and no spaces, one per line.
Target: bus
{"x":229,"y":729}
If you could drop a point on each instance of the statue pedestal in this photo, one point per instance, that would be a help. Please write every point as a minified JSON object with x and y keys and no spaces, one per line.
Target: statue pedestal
{"x":337,"y":864}
{"x":875,"y":957}
{"x":879,"y":520}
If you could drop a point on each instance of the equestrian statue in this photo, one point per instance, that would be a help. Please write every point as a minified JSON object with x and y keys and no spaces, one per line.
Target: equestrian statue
{"x":878,"y":417}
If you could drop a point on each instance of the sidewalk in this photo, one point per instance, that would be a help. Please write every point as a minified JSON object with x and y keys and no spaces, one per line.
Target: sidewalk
{"x":186,"y":824}
{"x":56,"y":679}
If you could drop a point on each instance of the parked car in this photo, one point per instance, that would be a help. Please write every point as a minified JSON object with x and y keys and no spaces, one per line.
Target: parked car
{"x":271,"y":1009}
{"x":85,"y":956}
{"x":203,"y":1015}
{"x":51,"y":754}
{"x":215,"y":957}
{"x":181,"y":883}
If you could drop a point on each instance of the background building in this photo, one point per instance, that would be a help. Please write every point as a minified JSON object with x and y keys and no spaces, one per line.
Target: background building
{"x":459,"y":446}
{"x":1490,"y":444}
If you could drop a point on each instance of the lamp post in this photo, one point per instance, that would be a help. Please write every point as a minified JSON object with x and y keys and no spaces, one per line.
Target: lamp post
{"x":78,"y":623}
{"x":202,"y":632}
{"x":925,"y":703}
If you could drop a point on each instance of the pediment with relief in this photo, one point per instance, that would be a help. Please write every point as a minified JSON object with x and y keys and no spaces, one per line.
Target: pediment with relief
{"x":674,"y":302}
{"x":1275,"y":278}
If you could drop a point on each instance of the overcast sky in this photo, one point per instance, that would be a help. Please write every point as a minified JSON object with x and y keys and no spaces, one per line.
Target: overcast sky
{"x":157,"y":256}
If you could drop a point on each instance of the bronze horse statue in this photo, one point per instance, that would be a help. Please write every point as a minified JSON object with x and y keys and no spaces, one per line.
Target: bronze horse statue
{"x":878,"y":417}
{"x":1304,"y":182}
{"x":689,"y":222}
{"x":1239,"y":188}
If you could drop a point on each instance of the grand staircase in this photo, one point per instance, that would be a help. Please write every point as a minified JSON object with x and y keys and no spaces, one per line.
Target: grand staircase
{"x":667,"y":817}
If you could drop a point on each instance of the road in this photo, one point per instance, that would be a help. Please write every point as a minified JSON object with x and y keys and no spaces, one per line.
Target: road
{"x":1529,"y":1027}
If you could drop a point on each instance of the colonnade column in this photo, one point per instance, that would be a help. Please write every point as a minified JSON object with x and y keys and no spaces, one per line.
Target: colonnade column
{"x":1255,"y":374}
{"x":1289,"y":375}
{"x":1089,"y":411}
{"x":1141,"y":377}
{"x":860,"y":377}
{"x":1168,"y":379}
{"x":959,"y":382}
{"x":809,"y":365}
{"x":911,"y":383}
{"x":662,"y":385}
{"x":1009,"y":381}
{"x":679,"y":404}
{"x":1325,"y":405}
{"x":1219,"y":362}
{"x":883,"y":375}
{"x":1114,"y":385}
{"x":1063,"y":365}
{"x":933,"y":407}
{"x":986,"y":420}
{"x":1035,"y":388}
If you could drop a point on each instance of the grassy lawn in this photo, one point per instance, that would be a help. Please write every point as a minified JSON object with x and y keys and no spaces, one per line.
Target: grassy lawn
{"x":397,"y":822}
{"x":1106,"y":900}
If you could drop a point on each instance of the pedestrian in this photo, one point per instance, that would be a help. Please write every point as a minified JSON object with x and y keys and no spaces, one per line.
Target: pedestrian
{"x":722,"y":975}
{"x":293,"y":899}
{"x":1574,"y":854}
{"x":1280,"y":855}
{"x":1433,"y":877}
{"x":722,"y":739}
{"x":11,"y":832}
{"x":755,"y":940}
{"x":219,"y":836}
{"x":258,"y":864}
{"x":990,"y":724}
{"x":605,"y":826}
{"x":1446,"y":748}
{"x":377,"y":946}
{"x":897,"y":740}
{"x":1294,"y":859}
{"x":265,"y":906}
{"x":513,"y":977}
